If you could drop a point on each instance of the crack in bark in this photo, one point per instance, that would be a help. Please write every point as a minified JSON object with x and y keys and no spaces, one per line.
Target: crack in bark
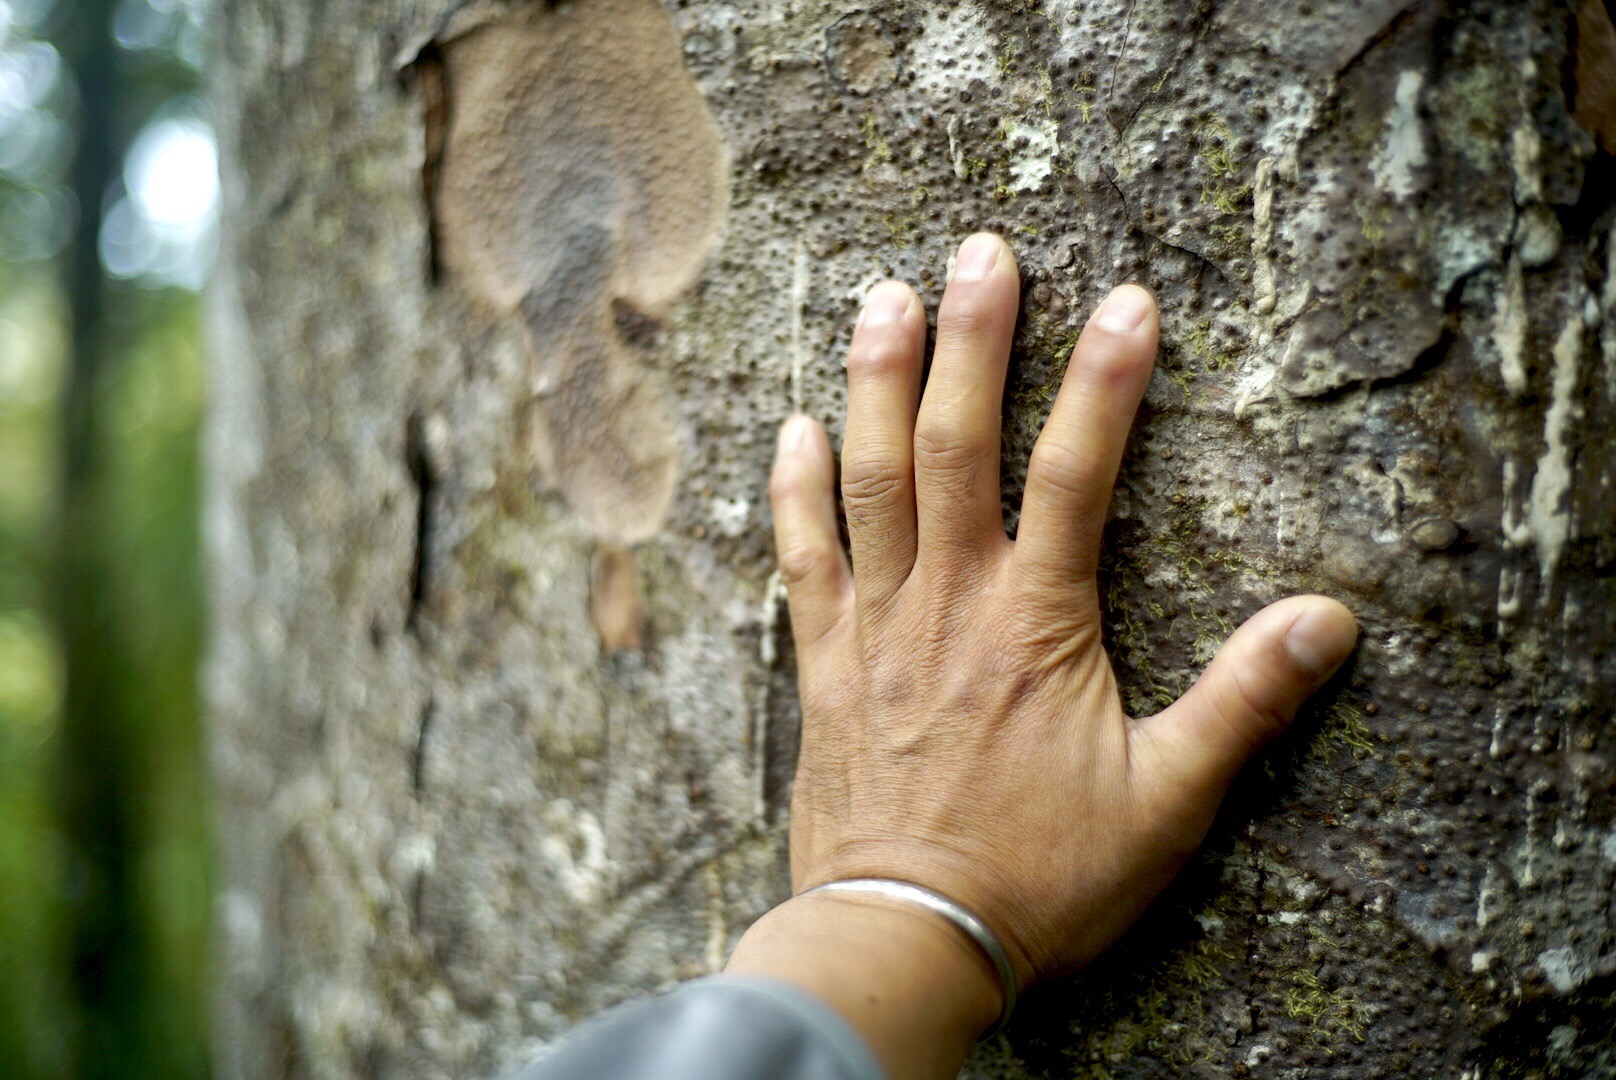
{"x":1385,"y":33}
{"x":423,"y":731}
{"x":1428,"y":358}
{"x":1254,"y":936}
{"x":426,"y":450}
{"x":1122,"y":51}
{"x":428,"y":69}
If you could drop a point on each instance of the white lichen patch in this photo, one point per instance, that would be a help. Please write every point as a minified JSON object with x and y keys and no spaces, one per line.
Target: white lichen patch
{"x":1460,"y":249}
{"x":575,"y":850}
{"x":1526,"y":155}
{"x":730,"y":516}
{"x":1549,"y":510}
{"x":1032,"y":148}
{"x":1262,"y":236}
{"x":1564,"y":969}
{"x":1402,"y":154}
{"x":954,"y":48}
{"x":1509,"y":329}
{"x":1292,"y":112}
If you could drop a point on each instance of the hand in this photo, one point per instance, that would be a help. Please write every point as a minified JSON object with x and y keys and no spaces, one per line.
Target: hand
{"x":961,"y":724}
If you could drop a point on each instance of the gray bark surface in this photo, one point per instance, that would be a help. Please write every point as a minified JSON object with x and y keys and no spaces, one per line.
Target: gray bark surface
{"x":511,"y":300}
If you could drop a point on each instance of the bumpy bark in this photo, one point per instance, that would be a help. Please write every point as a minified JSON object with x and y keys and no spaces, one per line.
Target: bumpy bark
{"x":512,"y":298}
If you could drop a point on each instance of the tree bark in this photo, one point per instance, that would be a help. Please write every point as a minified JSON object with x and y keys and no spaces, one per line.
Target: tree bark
{"x":511,"y":300}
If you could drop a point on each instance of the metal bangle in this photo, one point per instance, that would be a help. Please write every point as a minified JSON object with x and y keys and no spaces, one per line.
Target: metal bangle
{"x":973,"y":928}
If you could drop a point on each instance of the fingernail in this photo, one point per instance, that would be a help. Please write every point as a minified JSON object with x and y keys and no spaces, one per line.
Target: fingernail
{"x":794,"y":434}
{"x":1321,"y":639}
{"x":887,"y":302}
{"x":1124,"y":309}
{"x":977,"y":257}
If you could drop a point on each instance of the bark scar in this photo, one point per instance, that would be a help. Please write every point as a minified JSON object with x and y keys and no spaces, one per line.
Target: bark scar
{"x":580,"y":188}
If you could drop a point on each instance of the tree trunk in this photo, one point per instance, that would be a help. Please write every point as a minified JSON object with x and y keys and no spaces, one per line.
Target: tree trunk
{"x":512,"y":298}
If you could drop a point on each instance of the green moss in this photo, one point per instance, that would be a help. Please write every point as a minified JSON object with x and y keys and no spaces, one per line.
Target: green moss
{"x":1330,"y":1015}
{"x":1375,"y":220}
{"x":1159,"y":1019}
{"x":1343,"y":727}
{"x":1224,"y":190}
{"x":1201,"y":344}
{"x":1046,"y":92}
{"x":1471,"y":107}
{"x":880,"y":150}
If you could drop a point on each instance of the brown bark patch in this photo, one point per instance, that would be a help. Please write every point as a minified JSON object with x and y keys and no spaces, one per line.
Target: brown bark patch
{"x":614,"y":599}
{"x":1596,"y":73}
{"x":581,"y":188}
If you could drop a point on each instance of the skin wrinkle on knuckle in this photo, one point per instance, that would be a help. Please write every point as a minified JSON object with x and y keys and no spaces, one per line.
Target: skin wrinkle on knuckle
{"x":801,"y":562}
{"x":872,"y":480}
{"x":947,"y":449}
{"x":1044,"y":643}
{"x":966,"y":323}
{"x":1060,"y":470}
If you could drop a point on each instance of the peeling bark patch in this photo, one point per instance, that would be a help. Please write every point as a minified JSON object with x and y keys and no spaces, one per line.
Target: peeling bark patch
{"x":582,"y":177}
{"x":860,"y":53}
{"x":614,"y":599}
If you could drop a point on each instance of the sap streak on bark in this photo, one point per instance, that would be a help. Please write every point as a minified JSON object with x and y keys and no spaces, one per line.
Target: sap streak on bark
{"x":582,"y":178}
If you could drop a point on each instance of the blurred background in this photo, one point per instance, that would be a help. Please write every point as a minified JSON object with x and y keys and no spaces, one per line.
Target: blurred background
{"x":108,"y":193}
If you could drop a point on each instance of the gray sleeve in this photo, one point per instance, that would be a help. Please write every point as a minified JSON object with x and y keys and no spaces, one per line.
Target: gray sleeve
{"x":726,"y":1027}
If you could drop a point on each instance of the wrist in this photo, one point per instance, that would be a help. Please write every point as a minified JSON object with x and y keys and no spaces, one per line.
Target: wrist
{"x":910,"y":982}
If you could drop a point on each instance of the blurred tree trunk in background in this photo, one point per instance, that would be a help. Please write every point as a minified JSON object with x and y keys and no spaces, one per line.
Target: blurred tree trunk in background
{"x":103,"y":901}
{"x":132,"y":886}
{"x":512,"y":298}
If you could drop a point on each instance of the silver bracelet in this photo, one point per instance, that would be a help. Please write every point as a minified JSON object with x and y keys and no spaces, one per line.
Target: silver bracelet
{"x":974,"y":928}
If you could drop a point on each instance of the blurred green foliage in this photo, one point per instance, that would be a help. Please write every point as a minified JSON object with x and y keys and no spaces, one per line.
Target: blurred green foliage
{"x":144,"y":498}
{"x":104,"y":830}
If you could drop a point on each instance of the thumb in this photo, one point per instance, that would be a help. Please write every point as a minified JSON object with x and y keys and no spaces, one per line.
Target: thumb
{"x":1250,"y":692}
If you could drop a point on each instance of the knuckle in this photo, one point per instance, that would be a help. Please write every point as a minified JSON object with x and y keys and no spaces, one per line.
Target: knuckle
{"x":781,"y":486}
{"x":1260,"y":712}
{"x":820,"y":699}
{"x":877,"y":354}
{"x":946,"y":448}
{"x":802,"y":562}
{"x":1115,"y":363}
{"x":890,"y":685}
{"x":787,"y":482}
{"x":969,"y":313}
{"x":1060,"y":470}
{"x":871,"y":480}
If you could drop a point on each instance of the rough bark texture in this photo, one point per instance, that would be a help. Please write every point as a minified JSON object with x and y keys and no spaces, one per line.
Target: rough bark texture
{"x":512,"y":299}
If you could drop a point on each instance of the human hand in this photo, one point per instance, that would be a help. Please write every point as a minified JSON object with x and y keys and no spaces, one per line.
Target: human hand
{"x":961,"y":723}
